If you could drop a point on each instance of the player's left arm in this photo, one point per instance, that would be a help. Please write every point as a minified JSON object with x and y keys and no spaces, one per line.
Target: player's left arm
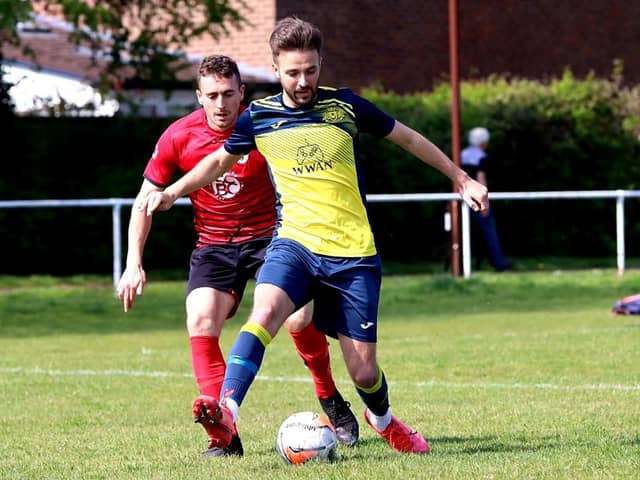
{"x":472,"y":192}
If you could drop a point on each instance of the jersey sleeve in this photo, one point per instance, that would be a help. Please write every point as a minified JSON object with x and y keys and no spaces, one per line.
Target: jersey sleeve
{"x":163,"y":162}
{"x":242,"y":139}
{"x":371,"y":119}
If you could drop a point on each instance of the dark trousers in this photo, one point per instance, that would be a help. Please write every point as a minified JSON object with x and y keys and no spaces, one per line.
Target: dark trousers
{"x":487,"y":227}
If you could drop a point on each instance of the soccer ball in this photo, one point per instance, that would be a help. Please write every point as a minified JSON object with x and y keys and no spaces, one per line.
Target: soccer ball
{"x":306,"y":436}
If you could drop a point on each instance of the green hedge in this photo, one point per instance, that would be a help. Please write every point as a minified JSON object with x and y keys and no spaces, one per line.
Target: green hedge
{"x":563,"y":134}
{"x":71,"y":158}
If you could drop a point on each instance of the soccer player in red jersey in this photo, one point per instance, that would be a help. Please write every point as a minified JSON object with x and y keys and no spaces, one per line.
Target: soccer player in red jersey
{"x":234,"y":218}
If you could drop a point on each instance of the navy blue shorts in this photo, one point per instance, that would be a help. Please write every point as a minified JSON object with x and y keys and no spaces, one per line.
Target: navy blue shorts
{"x":346,"y":291}
{"x":227,"y":267}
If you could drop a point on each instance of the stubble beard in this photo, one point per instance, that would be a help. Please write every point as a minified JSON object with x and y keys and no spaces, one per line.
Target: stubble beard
{"x":291,"y":94}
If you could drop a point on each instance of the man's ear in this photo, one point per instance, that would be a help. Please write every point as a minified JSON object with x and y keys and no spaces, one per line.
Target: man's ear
{"x":275,"y":69}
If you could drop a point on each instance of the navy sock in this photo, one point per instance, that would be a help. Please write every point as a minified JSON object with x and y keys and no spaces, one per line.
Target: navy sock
{"x":244,"y":361}
{"x":376,"y":398}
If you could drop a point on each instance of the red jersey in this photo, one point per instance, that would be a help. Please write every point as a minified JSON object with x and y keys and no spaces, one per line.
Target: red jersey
{"x":238,"y":206}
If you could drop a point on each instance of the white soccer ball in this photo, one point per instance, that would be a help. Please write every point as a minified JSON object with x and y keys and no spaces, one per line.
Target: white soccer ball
{"x":307,"y":436}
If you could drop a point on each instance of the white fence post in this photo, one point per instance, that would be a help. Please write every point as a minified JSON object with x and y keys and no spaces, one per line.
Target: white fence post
{"x":116,"y":226}
{"x":466,"y":241}
{"x":620,"y":244}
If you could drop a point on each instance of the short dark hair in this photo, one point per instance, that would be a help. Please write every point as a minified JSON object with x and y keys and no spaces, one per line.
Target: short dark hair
{"x":293,"y":33}
{"x":218,"y":65}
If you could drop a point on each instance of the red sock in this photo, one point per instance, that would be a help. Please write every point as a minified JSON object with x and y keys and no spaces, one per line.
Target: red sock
{"x":208,"y":364}
{"x":313,"y":348}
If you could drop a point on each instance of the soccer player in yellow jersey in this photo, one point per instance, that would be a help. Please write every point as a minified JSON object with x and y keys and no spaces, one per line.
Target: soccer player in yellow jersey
{"x":323,"y":248}
{"x":234,"y":218}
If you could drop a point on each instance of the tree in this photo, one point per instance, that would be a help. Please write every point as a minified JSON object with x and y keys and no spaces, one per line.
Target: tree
{"x":11,"y":13}
{"x":141,"y":39}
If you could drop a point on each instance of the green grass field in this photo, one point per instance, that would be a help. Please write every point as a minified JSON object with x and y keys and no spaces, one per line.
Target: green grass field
{"x":512,"y":376}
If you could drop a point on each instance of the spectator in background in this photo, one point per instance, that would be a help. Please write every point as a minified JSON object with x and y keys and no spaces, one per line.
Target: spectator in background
{"x":474,"y":162}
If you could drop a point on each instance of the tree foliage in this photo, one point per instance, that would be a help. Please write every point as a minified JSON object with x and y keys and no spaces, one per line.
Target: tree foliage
{"x":12,"y":12}
{"x":137,"y":39}
{"x":565,"y":133}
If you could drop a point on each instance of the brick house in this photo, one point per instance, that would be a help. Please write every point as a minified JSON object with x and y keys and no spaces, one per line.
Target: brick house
{"x":403,"y":45}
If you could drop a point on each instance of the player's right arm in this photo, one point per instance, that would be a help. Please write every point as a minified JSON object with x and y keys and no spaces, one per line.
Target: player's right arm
{"x":472,"y":192}
{"x":134,"y":277}
{"x":206,"y":171}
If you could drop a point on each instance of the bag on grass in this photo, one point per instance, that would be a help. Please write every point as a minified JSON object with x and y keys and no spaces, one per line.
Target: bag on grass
{"x":627,"y":306}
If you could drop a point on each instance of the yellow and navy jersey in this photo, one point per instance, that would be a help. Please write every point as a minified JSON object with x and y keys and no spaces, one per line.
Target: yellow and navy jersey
{"x":313,"y":159}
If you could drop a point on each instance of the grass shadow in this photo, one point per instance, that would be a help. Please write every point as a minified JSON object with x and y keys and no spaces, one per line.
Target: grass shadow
{"x":455,"y":446}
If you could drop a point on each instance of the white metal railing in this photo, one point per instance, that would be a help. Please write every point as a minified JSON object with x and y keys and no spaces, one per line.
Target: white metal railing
{"x":116,"y":205}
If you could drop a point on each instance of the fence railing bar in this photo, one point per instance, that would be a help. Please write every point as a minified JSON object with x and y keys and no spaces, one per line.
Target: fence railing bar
{"x":117,"y":203}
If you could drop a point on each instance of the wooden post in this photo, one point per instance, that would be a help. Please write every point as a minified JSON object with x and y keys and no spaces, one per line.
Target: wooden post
{"x":455,"y":131}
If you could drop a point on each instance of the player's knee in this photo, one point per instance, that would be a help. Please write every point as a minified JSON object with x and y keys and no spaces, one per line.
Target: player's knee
{"x":297,"y":321}
{"x":365,"y":376}
{"x":203,"y":325}
{"x":268,"y":317}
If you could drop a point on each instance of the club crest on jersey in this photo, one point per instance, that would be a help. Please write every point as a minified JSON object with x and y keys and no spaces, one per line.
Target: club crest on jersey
{"x":309,"y":153}
{"x":310,"y":158}
{"x":227,"y":186}
{"x":333,"y":115}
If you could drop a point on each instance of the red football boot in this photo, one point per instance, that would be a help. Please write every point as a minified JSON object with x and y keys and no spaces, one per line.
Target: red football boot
{"x":401,"y":437}
{"x":216,"y":419}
